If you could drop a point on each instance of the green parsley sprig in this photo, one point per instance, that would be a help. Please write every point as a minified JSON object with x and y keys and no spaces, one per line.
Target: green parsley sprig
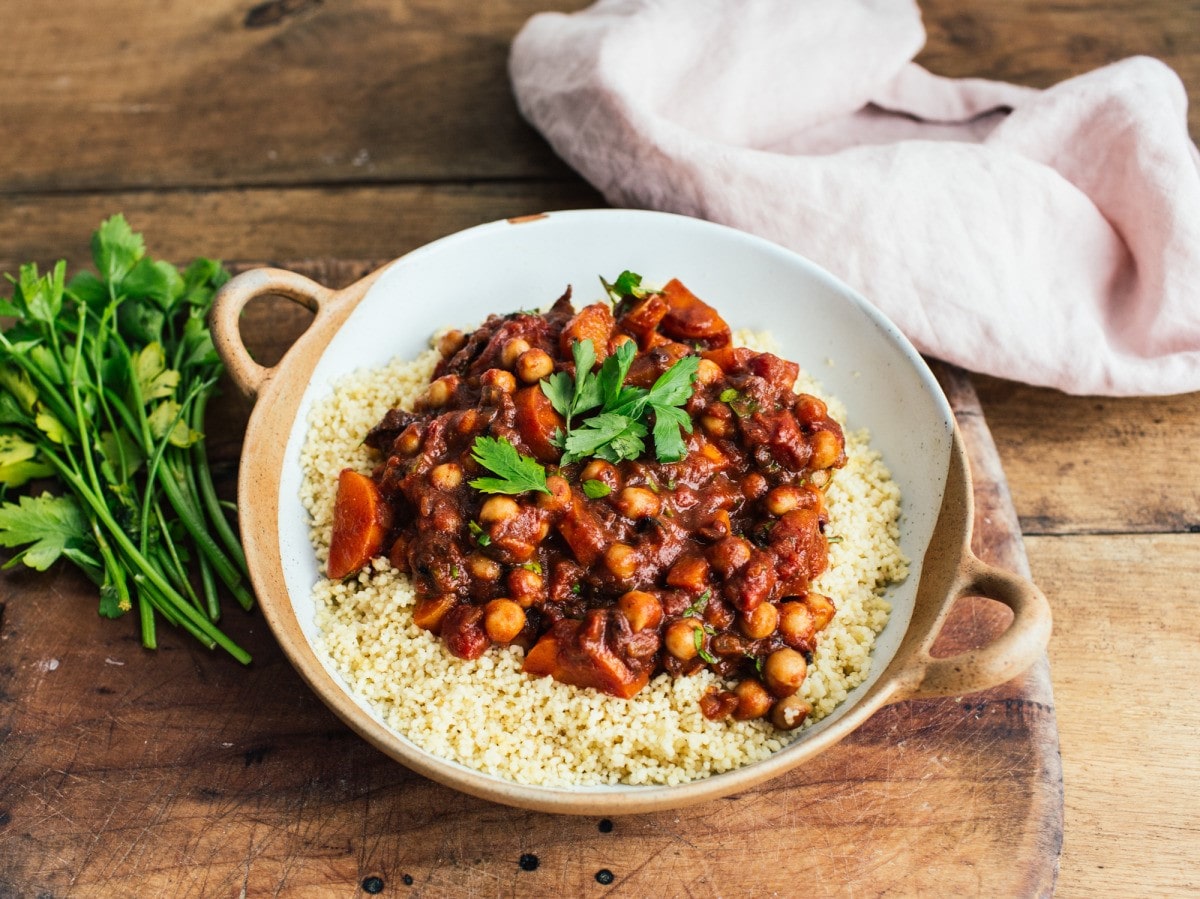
{"x":515,"y":472}
{"x":628,"y":284}
{"x":104,"y":382}
{"x":620,"y":413}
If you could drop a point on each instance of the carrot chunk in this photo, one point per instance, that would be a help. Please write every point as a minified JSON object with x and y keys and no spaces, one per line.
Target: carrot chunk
{"x":690,"y":318}
{"x":538,"y":422}
{"x":542,"y":659}
{"x":361,"y":520}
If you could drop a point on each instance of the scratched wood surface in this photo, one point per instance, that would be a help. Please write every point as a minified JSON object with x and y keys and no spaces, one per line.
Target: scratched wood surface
{"x":363,"y":128}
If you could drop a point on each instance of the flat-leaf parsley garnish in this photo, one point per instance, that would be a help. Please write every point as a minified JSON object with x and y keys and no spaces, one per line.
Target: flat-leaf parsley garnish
{"x":593,"y":489}
{"x":515,"y":473}
{"x":628,"y":284}
{"x":621,"y":415}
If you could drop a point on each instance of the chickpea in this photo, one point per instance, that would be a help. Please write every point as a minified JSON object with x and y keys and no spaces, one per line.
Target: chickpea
{"x":467,"y":419}
{"x":782,"y":500}
{"x":796,"y":625}
{"x":503,"y":619}
{"x":754,"y":485}
{"x":499,"y":380}
{"x":409,"y":441}
{"x":715,"y":426}
{"x":621,"y":559}
{"x":533,"y":365}
{"x":618,"y":340}
{"x":638,"y":502}
{"x":810,"y":408}
{"x":451,"y":342}
{"x":429,"y":612}
{"x":760,"y":622}
{"x":605,"y":472}
{"x":440,"y":391}
{"x":483,"y":568}
{"x":826,"y":450}
{"x":708,"y":372}
{"x":512,"y":351}
{"x":821,"y":608}
{"x":642,"y":609}
{"x":445,"y":520}
{"x":753,"y":700}
{"x":446,"y":476}
{"x":559,"y":497}
{"x":497,"y":509}
{"x":680,"y":638}
{"x":730,"y":555}
{"x":525,"y":586}
{"x":784,"y":671}
{"x":789,"y":713}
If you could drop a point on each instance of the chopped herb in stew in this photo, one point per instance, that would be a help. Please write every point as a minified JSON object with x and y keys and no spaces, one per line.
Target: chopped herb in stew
{"x":618,"y":490}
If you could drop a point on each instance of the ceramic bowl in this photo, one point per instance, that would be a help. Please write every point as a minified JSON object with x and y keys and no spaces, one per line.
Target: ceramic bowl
{"x":819,"y":322}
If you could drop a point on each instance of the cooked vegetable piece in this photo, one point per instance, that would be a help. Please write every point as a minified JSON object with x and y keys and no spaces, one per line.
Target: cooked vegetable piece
{"x":361,"y":520}
{"x":572,"y":655}
{"x":538,"y":423}
{"x":594,"y":323}
{"x":690,"y":318}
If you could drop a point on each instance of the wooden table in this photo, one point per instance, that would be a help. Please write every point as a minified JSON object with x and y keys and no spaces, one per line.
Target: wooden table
{"x":358,"y":130}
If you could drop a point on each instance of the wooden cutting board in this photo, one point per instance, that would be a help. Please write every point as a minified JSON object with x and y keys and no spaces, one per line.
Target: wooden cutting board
{"x":181,"y":773}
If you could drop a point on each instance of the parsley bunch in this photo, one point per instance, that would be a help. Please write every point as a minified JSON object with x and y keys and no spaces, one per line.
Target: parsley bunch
{"x":103,"y":387}
{"x":619,"y":413}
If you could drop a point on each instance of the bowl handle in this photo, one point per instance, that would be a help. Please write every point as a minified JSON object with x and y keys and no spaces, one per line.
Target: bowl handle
{"x":225,"y":317}
{"x":1008,"y":655}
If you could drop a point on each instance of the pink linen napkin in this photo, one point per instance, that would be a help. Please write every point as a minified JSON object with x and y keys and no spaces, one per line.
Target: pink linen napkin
{"x":1051,"y":237}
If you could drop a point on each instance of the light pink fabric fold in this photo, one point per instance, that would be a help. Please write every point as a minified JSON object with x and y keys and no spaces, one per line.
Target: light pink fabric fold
{"x":1051,"y":237}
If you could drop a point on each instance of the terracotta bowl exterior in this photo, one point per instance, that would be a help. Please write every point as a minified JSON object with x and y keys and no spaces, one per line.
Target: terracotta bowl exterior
{"x":526,"y":263}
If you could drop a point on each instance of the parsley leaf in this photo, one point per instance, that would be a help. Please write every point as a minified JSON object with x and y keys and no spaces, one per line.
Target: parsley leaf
{"x":607,"y":436}
{"x":481,"y":536}
{"x":593,"y":489}
{"x":674,"y":386}
{"x":628,"y":284}
{"x":51,"y":526}
{"x":617,"y":429}
{"x":571,"y":396}
{"x":516,"y":473}
{"x":669,"y":445}
{"x":698,"y":637}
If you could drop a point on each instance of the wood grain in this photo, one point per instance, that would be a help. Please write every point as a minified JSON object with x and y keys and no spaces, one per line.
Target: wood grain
{"x":134,"y":90}
{"x":1098,"y":464}
{"x":175,"y":93}
{"x":1124,"y":660}
{"x":365,"y":222}
{"x":181,"y":773}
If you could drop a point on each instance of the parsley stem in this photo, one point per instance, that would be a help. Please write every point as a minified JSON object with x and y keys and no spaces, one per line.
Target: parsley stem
{"x":146,"y":617}
{"x":145,"y":570}
{"x":207,"y":491}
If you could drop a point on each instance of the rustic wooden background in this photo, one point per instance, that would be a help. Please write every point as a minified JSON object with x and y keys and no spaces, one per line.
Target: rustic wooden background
{"x":351,"y":129}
